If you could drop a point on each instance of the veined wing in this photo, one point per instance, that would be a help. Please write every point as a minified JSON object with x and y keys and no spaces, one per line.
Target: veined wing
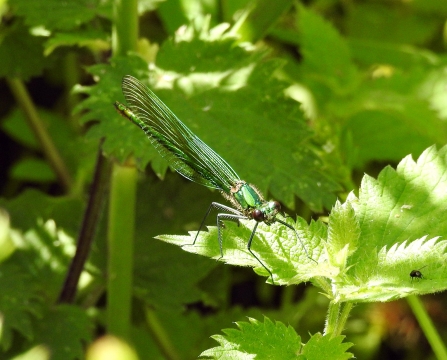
{"x":189,"y":155}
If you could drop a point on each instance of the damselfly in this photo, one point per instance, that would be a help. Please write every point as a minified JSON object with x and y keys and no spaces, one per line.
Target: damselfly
{"x":196,"y":161}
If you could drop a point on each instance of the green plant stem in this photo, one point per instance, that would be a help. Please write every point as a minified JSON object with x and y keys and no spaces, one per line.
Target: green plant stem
{"x":122,"y":196}
{"x":347,"y":307}
{"x":92,"y":215}
{"x":49,"y":149}
{"x":125,"y":29}
{"x":427,"y":327}
{"x":332,"y":318}
{"x":120,"y":259}
{"x":160,"y":336}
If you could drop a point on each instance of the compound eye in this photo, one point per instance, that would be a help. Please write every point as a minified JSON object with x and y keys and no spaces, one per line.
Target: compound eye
{"x":257,"y":215}
{"x":277,"y":206}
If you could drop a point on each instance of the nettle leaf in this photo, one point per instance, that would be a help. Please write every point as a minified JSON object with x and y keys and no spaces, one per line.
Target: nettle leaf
{"x":64,"y":330}
{"x":19,"y":303}
{"x":369,"y":247}
{"x":276,"y":247}
{"x":31,"y":280}
{"x":343,"y":234}
{"x":258,"y":340}
{"x":55,"y":14}
{"x":45,"y":251}
{"x":403,"y":226}
{"x":326,"y":347}
{"x":268,"y":340}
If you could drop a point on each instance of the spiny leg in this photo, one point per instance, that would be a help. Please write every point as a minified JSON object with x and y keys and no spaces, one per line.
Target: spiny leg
{"x":231,"y":217}
{"x":250,"y":240}
{"x":215,"y":205}
{"x":236,"y":216}
{"x":298,"y":237}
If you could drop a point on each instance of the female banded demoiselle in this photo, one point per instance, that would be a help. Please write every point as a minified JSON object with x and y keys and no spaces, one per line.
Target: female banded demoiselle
{"x":196,"y":161}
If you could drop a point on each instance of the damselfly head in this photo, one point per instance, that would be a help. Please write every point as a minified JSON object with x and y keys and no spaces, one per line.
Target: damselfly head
{"x":258,"y":215}
{"x":267,"y":212}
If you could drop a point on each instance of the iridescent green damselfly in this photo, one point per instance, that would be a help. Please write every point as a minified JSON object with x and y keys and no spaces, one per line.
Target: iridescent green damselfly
{"x":196,"y":161}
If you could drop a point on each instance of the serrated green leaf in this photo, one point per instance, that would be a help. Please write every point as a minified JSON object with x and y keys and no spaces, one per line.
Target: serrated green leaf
{"x":255,"y":339}
{"x":326,"y":347}
{"x":276,"y":246}
{"x":31,"y":278}
{"x":54,"y":14}
{"x":45,"y":251}
{"x":401,"y":217}
{"x":407,"y":199}
{"x":19,"y":303}
{"x":343,"y":234}
{"x":178,"y":325}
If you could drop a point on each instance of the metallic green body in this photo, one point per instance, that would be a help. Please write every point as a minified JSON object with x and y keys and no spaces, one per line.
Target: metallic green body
{"x":247,"y":197}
